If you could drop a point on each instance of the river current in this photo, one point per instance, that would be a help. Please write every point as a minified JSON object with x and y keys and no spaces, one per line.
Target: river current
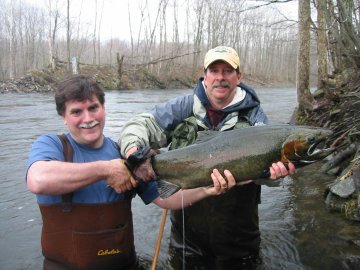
{"x":297,"y":230}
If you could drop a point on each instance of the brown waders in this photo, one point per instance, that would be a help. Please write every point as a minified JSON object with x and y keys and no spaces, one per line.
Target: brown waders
{"x":87,"y":236}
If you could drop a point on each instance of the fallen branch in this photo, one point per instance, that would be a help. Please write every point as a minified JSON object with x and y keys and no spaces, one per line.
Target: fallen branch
{"x":339,"y":158}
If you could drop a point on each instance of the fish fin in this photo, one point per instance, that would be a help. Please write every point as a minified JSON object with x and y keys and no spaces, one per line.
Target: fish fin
{"x":267,"y":182}
{"x":166,"y":189}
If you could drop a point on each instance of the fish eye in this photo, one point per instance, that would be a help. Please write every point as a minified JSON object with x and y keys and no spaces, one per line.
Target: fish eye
{"x":311,"y":139}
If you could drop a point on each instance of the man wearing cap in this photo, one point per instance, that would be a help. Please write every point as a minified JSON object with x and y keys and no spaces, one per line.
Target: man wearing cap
{"x":220,"y":232}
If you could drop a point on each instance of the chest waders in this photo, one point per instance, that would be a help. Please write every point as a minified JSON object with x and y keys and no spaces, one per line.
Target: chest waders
{"x":87,"y":236}
{"x":221,"y":227}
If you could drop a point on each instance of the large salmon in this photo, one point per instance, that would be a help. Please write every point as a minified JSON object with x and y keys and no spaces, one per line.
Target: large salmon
{"x":247,"y":153}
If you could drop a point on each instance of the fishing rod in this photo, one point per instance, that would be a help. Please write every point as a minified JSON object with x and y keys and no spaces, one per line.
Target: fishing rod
{"x":158,"y":242}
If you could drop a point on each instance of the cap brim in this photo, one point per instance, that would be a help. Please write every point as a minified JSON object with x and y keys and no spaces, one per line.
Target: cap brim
{"x":231,"y":63}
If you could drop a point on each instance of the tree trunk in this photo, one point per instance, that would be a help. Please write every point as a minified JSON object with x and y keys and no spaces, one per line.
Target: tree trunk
{"x":68,"y":34}
{"x":303,"y":62}
{"x":198,"y":34}
{"x":51,"y":53}
{"x":94,"y":35}
{"x":333,"y":37}
{"x":120,"y":61}
{"x":99,"y":29}
{"x":321,"y":43}
{"x":131,"y":33}
{"x":349,"y":35}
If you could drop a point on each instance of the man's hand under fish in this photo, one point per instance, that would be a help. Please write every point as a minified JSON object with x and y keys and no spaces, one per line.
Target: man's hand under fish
{"x":277,"y":170}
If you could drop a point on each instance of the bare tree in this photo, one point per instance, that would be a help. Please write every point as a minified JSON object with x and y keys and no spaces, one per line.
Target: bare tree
{"x":303,"y":63}
{"x":80,"y":43}
{"x":198,"y":37}
{"x":50,"y":40}
{"x":68,"y":34}
{"x":131,"y":32}
{"x":349,"y":40}
{"x":99,"y":28}
{"x":10,"y":25}
{"x":176,"y":39}
{"x":321,"y":43}
{"x":94,"y":33}
{"x":151,"y":35}
{"x":142,"y":19}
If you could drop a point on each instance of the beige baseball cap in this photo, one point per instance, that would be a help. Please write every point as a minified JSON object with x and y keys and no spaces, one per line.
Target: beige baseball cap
{"x":222,"y":53}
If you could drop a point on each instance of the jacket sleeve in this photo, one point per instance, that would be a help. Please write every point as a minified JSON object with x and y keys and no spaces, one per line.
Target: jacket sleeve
{"x":153,"y":128}
{"x":142,"y":130}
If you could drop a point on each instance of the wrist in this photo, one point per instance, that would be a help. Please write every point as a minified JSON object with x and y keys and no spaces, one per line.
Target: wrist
{"x":130,"y":151}
{"x":105,"y":169}
{"x":207,"y":191}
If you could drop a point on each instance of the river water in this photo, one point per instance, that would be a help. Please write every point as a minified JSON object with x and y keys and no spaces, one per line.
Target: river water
{"x":297,"y":231}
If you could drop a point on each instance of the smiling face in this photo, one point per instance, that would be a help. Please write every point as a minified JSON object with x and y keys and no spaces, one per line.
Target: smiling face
{"x":85,"y":121}
{"x":221,"y":80}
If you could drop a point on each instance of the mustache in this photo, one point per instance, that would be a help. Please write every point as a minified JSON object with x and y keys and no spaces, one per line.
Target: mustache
{"x":221,"y":84}
{"x":89,"y":125}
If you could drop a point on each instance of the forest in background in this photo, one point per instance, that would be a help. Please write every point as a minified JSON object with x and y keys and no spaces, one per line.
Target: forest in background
{"x":320,"y":47}
{"x":162,"y":44}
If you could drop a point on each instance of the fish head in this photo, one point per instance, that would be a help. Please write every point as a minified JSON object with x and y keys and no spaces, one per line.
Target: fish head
{"x":306,"y":145}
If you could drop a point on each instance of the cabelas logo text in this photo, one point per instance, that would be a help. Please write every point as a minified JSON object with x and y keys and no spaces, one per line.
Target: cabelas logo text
{"x":103,"y":252}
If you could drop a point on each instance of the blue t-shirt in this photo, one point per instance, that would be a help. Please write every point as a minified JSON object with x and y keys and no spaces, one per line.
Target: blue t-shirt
{"x":49,"y":147}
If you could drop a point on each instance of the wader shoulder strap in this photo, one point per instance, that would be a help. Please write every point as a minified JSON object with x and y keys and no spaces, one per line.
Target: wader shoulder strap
{"x":68,"y":154}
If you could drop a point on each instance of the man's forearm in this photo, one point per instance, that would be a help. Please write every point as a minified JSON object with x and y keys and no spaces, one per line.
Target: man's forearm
{"x":182,"y":198}
{"x":57,"y":177}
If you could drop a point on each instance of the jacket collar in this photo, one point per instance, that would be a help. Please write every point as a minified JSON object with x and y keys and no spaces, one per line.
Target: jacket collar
{"x":250,"y":100}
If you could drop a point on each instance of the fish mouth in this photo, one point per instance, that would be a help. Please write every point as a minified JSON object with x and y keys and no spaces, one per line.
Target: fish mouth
{"x":306,"y":149}
{"x":316,"y":152}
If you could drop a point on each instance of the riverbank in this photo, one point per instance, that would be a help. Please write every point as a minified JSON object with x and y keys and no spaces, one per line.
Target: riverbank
{"x":46,"y":80}
{"x":337,"y":107}
{"x":108,"y":76}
